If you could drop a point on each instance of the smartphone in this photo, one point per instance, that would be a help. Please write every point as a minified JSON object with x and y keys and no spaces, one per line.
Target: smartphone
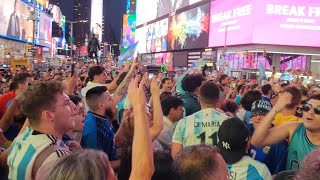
{"x":73,"y":66}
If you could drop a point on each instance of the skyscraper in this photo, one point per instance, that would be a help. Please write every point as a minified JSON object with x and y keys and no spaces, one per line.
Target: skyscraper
{"x":81,"y":12}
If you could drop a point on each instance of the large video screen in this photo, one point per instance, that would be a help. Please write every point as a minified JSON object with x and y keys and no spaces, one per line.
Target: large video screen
{"x":96,"y":18}
{"x":129,"y":30}
{"x":284,"y":22}
{"x":148,"y":10}
{"x":141,"y":36}
{"x":14,"y":20}
{"x":157,"y":35}
{"x":189,"y":29}
{"x":45,"y":30}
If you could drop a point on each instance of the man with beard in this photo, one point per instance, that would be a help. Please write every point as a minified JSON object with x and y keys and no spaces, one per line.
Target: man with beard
{"x":98,"y":132}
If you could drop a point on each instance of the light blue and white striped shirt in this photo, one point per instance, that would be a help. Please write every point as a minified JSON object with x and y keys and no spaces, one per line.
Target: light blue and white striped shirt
{"x":199,"y":128}
{"x":249,"y":169}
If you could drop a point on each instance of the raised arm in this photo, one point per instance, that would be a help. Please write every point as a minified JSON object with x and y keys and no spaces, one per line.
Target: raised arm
{"x":263,"y":135}
{"x":157,"y":109}
{"x":121,"y":89}
{"x":142,"y":163}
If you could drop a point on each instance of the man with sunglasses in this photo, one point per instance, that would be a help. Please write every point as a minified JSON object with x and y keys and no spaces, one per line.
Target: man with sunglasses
{"x":303,"y":137}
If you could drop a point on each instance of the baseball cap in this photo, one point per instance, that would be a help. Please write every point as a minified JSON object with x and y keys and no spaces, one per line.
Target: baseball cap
{"x":233,"y":137}
{"x":260,"y":107}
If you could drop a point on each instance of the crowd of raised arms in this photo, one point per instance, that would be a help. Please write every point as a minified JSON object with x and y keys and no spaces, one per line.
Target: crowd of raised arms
{"x":85,"y":122}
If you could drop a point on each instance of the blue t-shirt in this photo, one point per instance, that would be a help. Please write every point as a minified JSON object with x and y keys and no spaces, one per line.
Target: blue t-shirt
{"x":98,"y":133}
{"x":274,"y":156}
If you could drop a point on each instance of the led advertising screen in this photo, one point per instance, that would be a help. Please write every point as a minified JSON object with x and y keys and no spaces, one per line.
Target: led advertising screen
{"x":148,"y":10}
{"x":14,"y":20}
{"x":157,"y":35}
{"x":129,"y":30}
{"x":45,"y":30}
{"x":189,"y":30}
{"x":265,"y":22}
{"x":96,"y":18}
{"x":141,"y":36}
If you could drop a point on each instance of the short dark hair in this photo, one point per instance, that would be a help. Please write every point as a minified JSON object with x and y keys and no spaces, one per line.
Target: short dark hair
{"x":250,"y":97}
{"x":170,"y":102}
{"x":223,"y":77}
{"x":75,"y":99}
{"x":253,"y":86}
{"x":39,"y":97}
{"x":296,"y":96}
{"x":165,"y":94}
{"x":196,"y":162}
{"x":266,"y":89}
{"x":240,"y":87}
{"x":230,"y":106}
{"x":93,"y":96}
{"x":19,"y":79}
{"x":209,"y":93}
{"x":162,"y":166}
{"x":191,"y":82}
{"x":94,"y":71}
{"x":165,"y":79}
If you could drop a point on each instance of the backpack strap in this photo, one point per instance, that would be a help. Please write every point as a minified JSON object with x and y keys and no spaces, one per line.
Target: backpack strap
{"x":42,"y":157}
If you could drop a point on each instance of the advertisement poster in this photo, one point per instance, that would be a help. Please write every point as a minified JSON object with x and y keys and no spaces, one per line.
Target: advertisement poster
{"x":265,"y":22}
{"x":157,"y":36}
{"x":148,"y":10}
{"x":14,"y":20}
{"x":96,"y":18}
{"x":189,"y":29}
{"x":129,"y":30}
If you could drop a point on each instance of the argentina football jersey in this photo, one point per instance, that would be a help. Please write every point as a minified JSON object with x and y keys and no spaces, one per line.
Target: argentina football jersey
{"x":199,"y":128}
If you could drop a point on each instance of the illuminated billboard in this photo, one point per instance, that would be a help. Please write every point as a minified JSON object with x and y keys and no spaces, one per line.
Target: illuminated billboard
{"x":14,"y":20}
{"x":45,"y":30}
{"x":129,"y":29}
{"x":96,"y":18}
{"x":190,"y":29}
{"x":285,"y":22}
{"x":148,"y":10}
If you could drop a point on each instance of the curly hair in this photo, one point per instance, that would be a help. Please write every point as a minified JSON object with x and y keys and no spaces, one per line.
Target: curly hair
{"x":39,"y":97}
{"x":310,"y":168}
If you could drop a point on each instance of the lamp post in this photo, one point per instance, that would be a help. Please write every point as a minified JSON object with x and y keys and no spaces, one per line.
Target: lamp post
{"x":71,"y":33}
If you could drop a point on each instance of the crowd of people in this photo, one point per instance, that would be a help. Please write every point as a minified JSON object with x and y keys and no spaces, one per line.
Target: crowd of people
{"x":87,"y":121}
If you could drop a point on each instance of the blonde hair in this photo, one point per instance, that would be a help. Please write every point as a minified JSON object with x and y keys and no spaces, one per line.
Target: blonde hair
{"x":81,"y":165}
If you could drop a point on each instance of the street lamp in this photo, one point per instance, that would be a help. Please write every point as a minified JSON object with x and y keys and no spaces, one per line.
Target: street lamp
{"x":71,"y":33}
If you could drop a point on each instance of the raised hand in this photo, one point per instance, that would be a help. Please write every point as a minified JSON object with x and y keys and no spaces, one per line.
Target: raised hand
{"x":283,"y":101}
{"x":155,"y":87}
{"x":136,"y":93}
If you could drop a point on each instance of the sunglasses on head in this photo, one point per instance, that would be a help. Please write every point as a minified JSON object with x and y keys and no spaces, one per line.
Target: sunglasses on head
{"x":308,"y":107}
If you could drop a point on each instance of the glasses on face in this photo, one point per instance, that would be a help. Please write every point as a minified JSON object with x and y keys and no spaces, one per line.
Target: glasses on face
{"x":308,"y":107}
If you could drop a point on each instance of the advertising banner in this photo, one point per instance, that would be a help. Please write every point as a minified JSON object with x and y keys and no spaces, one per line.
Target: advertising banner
{"x":190,"y":29}
{"x":96,"y":18}
{"x":129,"y":30}
{"x":284,"y":22}
{"x":148,"y":10}
{"x":14,"y":20}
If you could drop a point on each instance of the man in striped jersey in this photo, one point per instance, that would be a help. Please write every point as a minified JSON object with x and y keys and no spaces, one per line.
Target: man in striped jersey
{"x":234,"y":144}
{"x":50,"y":113}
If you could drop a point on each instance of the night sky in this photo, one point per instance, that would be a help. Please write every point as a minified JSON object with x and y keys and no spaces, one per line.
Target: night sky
{"x":66,"y":8}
